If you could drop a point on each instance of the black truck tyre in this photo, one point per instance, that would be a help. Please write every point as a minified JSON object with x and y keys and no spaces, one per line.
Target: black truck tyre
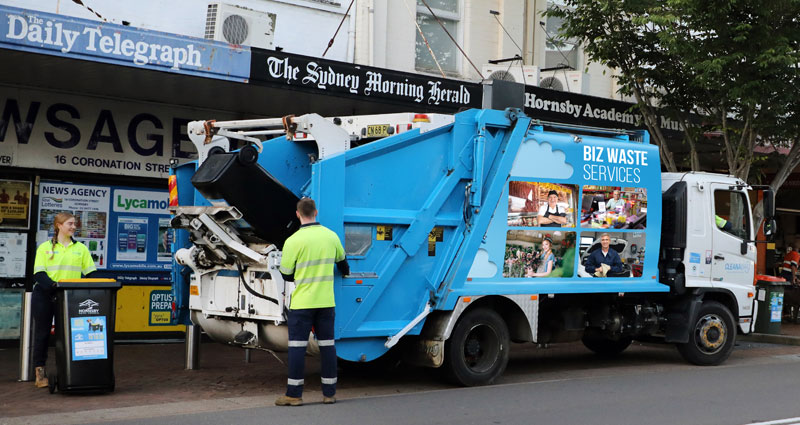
{"x":477,"y":351}
{"x":711,"y":336}
{"x":603,"y":345}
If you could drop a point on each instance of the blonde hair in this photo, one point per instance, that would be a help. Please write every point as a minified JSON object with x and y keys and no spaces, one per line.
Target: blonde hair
{"x":59,"y":219}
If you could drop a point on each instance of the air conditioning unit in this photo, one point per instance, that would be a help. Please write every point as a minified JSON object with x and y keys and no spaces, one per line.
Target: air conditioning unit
{"x":525,"y":74}
{"x":238,"y":25}
{"x":564,"y":80}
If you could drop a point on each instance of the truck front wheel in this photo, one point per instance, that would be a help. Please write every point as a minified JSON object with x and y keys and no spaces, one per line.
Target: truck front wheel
{"x":477,"y":351}
{"x":712,"y":337}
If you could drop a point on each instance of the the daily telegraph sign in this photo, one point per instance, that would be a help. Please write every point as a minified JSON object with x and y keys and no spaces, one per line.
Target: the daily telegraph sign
{"x":278,"y":69}
{"x":46,"y":33}
{"x":572,"y":108}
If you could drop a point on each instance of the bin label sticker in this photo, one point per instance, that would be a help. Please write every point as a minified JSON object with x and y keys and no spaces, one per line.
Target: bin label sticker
{"x":161,"y":308}
{"x":88,"y":306}
{"x":775,"y":306}
{"x":89,"y":338}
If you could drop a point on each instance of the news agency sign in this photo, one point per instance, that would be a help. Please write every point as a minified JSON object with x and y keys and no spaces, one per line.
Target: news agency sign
{"x":420,"y":92}
{"x":46,"y":33}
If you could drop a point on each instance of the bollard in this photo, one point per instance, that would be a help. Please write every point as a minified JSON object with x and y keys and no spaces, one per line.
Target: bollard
{"x":247,"y":355}
{"x":26,"y":340}
{"x":192,"y":356}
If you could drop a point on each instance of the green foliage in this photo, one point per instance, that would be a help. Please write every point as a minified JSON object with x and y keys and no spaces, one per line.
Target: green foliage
{"x":735,"y":63}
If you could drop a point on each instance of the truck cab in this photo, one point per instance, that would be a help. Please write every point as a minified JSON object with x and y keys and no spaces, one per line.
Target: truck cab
{"x":720,"y":253}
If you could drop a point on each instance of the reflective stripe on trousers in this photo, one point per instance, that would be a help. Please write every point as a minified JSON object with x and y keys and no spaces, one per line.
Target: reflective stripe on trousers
{"x":300,"y":324}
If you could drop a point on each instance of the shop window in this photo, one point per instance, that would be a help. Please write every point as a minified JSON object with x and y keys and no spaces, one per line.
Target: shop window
{"x":534,"y":204}
{"x":732,"y":213}
{"x":614,"y":207}
{"x":537,"y":253}
{"x":624,"y":256}
{"x":448,"y":11}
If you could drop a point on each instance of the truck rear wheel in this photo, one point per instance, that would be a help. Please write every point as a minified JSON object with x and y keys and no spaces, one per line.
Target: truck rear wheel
{"x":603,"y":345}
{"x":712,"y":337}
{"x":477,"y":351}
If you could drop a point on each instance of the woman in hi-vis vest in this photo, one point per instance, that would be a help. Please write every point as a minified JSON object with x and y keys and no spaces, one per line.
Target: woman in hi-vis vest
{"x":57,"y":259}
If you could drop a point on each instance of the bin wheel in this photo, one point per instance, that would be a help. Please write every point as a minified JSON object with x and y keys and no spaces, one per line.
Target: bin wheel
{"x":52,"y":383}
{"x":711,"y":337}
{"x":248,"y":155}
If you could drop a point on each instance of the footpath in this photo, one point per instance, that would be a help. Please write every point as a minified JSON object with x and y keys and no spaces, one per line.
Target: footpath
{"x":151,"y":380}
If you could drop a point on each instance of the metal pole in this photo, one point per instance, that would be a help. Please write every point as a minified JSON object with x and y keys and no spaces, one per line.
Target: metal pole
{"x":26,"y":340}
{"x":192,"y":347}
{"x":247,"y":355}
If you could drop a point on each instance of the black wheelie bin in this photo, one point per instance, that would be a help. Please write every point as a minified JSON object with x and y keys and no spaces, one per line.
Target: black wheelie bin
{"x":85,"y":311}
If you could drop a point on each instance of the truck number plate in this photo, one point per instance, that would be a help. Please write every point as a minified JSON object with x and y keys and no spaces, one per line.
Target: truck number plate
{"x":378,"y":130}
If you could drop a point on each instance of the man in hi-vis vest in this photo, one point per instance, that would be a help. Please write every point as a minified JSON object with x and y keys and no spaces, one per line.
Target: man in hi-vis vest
{"x":308,"y":259}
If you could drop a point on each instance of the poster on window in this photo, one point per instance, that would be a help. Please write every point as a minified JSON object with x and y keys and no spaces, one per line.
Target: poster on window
{"x":165,"y":238}
{"x":131,"y":239}
{"x":88,"y":204}
{"x":142,"y":238}
{"x":15,"y":198}
{"x":13,"y":250}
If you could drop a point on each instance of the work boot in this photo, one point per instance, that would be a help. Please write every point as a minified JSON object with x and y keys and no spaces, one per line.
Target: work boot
{"x":41,"y":378}
{"x":328,"y":400}
{"x":285,"y":400}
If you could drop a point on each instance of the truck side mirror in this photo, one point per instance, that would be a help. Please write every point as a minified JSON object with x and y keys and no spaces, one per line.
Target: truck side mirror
{"x":770,"y":228}
{"x":769,"y":205}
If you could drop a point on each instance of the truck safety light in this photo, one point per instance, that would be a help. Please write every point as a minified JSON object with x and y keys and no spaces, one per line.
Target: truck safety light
{"x":173,"y":190}
{"x":421,"y":118}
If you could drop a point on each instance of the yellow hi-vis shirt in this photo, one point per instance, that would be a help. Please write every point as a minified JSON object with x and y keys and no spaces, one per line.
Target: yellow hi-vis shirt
{"x":69,"y":262}
{"x":310,"y":253}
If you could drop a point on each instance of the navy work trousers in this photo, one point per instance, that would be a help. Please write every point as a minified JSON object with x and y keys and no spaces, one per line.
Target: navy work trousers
{"x":43,"y":307}
{"x":300,"y":323}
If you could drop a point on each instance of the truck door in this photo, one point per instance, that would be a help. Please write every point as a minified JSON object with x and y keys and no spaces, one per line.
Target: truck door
{"x":731,"y":226}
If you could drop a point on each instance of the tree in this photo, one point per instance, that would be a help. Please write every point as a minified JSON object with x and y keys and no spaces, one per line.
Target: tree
{"x":734,"y":63}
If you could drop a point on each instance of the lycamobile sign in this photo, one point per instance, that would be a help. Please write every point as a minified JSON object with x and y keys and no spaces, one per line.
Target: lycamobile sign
{"x":141,"y":202}
{"x":60,"y":35}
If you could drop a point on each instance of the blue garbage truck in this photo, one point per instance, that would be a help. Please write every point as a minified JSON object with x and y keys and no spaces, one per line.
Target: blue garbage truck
{"x":464,"y":233}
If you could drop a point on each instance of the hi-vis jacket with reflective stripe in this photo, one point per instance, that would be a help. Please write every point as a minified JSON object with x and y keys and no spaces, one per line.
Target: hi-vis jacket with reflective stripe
{"x":68,"y":262}
{"x":310,"y":254}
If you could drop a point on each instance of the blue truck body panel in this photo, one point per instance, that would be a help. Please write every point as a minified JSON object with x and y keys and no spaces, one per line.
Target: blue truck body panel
{"x":428,"y":218}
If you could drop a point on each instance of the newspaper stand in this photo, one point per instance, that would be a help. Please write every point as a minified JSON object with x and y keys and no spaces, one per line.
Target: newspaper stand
{"x":85,"y":310}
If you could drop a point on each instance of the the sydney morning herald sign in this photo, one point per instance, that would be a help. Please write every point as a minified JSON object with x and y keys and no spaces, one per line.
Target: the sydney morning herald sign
{"x":339,"y":78}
